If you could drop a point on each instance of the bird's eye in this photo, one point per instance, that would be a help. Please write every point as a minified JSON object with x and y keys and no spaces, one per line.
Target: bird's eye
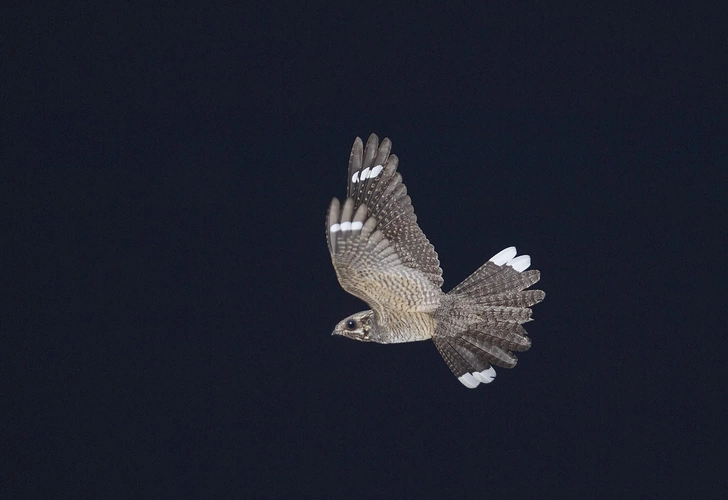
{"x":351,"y":324}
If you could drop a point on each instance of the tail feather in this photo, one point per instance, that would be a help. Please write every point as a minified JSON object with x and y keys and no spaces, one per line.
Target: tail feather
{"x":525,"y":298}
{"x":479,"y":322}
{"x":496,"y":315}
{"x":491,"y":352}
{"x":467,"y":365}
{"x":512,"y":336}
{"x":487,"y":281}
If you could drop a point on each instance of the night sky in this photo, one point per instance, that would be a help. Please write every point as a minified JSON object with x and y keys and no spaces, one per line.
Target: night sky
{"x":169,"y":296}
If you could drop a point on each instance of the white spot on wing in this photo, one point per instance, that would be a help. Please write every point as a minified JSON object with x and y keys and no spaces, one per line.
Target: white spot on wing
{"x":365,"y":174}
{"x":503,"y":256}
{"x":376,"y":171}
{"x":355,"y":177}
{"x":520,"y":263}
{"x":468,"y":381}
{"x":355,"y":226}
{"x":335,"y":228}
{"x":345,"y":226}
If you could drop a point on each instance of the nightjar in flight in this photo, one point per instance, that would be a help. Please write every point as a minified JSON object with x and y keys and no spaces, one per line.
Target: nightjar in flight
{"x":382,"y":256}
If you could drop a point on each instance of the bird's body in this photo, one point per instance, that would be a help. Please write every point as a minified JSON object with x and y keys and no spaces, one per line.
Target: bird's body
{"x":382,"y":256}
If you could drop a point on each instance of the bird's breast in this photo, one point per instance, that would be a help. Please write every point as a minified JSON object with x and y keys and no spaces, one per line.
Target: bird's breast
{"x":405,"y":327}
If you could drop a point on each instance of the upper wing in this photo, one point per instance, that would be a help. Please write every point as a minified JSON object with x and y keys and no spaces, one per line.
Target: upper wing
{"x":369,"y":267}
{"x":375,"y":183}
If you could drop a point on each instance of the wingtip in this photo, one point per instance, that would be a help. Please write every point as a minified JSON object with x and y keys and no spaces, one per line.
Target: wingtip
{"x":357,"y":149}
{"x":334,"y":205}
{"x":372,"y":143}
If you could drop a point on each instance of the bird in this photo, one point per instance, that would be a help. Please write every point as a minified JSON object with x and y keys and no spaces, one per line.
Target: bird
{"x":381,"y":256}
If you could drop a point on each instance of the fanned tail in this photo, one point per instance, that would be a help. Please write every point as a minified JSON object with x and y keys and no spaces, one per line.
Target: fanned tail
{"x":479,"y":323}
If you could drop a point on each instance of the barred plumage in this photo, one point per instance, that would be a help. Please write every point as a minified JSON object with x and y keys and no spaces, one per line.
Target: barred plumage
{"x":382,"y":256}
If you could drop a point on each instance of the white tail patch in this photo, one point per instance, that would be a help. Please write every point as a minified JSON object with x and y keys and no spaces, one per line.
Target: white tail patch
{"x":468,"y":381}
{"x":367,"y":173}
{"x":345,"y":226}
{"x":508,"y":257}
{"x":473,"y":380}
{"x":503,"y":256}
{"x":355,"y":226}
{"x":335,"y":228}
{"x":486,"y":376}
{"x":520,"y":263}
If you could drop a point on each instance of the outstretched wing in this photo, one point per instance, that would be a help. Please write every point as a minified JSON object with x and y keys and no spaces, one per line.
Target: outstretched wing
{"x":369,"y":267}
{"x":375,"y":183}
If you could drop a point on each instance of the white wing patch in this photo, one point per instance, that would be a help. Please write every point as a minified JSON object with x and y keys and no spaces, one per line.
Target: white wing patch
{"x":367,"y":173}
{"x":473,"y":380}
{"x":376,"y":171}
{"x":346,"y":226}
{"x":508,"y":257}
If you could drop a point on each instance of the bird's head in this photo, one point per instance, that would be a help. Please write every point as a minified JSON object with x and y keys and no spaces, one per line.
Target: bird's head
{"x":358,"y":326}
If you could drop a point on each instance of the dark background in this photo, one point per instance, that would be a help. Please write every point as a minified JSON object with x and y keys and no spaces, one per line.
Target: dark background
{"x":169,"y":296}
